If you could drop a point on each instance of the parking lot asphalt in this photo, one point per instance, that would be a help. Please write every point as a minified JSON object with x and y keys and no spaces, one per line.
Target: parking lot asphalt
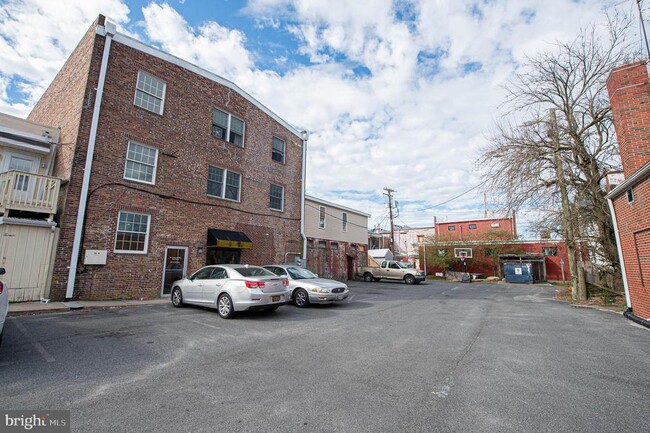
{"x":439,"y":356}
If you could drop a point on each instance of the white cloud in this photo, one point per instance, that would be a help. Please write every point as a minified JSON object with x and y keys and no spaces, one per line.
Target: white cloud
{"x":211,"y":46}
{"x":413,"y":123}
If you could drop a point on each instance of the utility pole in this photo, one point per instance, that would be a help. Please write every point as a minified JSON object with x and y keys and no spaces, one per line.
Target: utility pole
{"x":389,"y":193}
{"x":569,"y":237}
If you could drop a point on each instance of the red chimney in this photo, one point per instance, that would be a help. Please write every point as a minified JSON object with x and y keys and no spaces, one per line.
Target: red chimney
{"x":629,"y":94}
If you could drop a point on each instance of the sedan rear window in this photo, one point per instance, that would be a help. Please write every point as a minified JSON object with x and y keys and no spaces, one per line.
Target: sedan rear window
{"x":254,"y":272}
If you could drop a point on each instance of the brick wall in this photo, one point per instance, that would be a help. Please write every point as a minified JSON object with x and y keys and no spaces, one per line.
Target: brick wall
{"x":504,"y":228}
{"x":629,"y":92}
{"x":336,"y":260}
{"x":180,"y":210}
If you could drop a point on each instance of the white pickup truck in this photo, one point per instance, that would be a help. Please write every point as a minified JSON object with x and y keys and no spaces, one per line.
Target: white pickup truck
{"x":391,"y":270}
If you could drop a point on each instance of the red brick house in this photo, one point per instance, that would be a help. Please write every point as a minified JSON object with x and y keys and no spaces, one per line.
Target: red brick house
{"x":476,"y":229}
{"x":168,"y":166}
{"x":629,"y":92}
{"x":483,"y":240}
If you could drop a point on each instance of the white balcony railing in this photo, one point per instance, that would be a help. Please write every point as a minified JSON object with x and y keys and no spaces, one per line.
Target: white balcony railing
{"x":30,"y":192}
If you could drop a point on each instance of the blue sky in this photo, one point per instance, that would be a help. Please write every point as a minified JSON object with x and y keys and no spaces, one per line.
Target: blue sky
{"x":394,"y":93}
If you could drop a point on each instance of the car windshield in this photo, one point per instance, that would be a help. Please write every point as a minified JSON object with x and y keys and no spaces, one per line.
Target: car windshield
{"x":254,"y":271}
{"x":301,"y":273}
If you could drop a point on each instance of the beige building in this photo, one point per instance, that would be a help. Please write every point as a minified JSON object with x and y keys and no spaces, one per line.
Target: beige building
{"x":28,"y":205}
{"x":337,"y":239}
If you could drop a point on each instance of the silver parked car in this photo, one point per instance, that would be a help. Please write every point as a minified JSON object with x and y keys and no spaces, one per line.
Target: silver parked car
{"x":4,"y":303}
{"x":306,"y":288}
{"x":231,"y":288}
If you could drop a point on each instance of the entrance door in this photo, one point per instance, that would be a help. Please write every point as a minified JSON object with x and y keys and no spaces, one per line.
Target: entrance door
{"x":175,"y":267}
{"x":24,"y":186}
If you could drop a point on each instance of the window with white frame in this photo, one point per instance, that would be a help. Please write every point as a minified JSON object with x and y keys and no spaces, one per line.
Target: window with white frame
{"x":277,"y":197}
{"x":223,"y":183}
{"x":228,"y":127}
{"x":344,"y":221}
{"x":321,"y":217}
{"x":277,"y":153}
{"x":150,"y":93}
{"x":141,"y":163}
{"x":132,"y":233}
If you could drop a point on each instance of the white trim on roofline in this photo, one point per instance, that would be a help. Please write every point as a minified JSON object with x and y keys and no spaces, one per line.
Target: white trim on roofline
{"x":155,"y":52}
{"x":471,"y":220}
{"x":337,"y":206}
{"x":637,"y":177}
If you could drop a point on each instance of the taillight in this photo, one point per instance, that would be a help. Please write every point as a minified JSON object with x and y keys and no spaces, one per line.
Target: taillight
{"x":255,"y":284}
{"x":285,"y":282}
{"x":2,"y":287}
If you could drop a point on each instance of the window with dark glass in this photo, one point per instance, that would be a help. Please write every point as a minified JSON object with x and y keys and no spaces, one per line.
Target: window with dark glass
{"x":451,"y":228}
{"x":277,"y":153}
{"x":223,"y":183}
{"x":228,"y":127}
{"x":472,"y":226}
{"x":277,"y":196}
{"x":132,"y":233}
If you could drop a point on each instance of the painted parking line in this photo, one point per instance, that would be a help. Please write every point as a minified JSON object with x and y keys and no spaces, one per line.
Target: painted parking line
{"x":203,"y":324}
{"x":38,"y":346}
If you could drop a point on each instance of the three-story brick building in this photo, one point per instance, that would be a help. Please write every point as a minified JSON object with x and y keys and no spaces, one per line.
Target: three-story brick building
{"x":170,"y":167}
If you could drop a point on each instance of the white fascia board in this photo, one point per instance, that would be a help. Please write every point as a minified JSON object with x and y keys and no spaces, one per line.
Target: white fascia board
{"x":27,"y":222}
{"x":155,"y":52}
{"x":27,"y":135}
{"x":337,"y":206}
{"x":16,"y":144}
{"x":638,"y":176}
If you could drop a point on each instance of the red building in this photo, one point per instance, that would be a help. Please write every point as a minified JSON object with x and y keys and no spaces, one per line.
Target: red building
{"x":629,"y":92}
{"x":476,"y":229}
{"x":167,"y":167}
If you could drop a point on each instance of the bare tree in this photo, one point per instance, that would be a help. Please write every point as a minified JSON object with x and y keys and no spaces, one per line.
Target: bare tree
{"x":565,"y":141}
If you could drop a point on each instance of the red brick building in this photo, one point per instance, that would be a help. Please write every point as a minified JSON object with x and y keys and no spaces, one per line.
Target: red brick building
{"x":629,"y":92}
{"x":476,"y":229}
{"x":168,"y":167}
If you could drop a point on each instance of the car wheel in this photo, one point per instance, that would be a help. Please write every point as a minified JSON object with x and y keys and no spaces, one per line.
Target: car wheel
{"x":367,"y":277}
{"x":177,"y":297}
{"x":1,"y":334}
{"x":224,"y":306}
{"x":409,"y":279}
{"x":301,"y":298}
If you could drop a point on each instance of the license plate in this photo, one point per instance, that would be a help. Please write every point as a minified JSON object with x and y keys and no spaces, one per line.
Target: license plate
{"x":275,"y":298}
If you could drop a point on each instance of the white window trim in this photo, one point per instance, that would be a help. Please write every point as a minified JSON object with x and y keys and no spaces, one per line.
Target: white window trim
{"x":155,"y":164}
{"x":164,"y":93}
{"x":282,"y":207}
{"x":344,"y":222}
{"x":146,"y":238}
{"x":223,"y":185}
{"x":324,"y":217}
{"x":227,"y":138}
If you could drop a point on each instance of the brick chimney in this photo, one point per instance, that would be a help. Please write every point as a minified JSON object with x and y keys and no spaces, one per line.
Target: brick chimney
{"x":629,"y":94}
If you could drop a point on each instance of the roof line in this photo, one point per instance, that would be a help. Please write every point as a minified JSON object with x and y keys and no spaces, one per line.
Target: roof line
{"x":321,"y":201}
{"x":153,"y":51}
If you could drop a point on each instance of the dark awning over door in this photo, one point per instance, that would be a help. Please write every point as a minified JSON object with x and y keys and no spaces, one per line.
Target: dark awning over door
{"x":228,"y":239}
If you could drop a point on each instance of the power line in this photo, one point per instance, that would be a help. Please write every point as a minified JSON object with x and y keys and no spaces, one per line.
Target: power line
{"x":450,"y":200}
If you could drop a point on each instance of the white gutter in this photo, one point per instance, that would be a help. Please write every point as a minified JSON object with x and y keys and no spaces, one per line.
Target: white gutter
{"x":305,"y":137}
{"x":620,"y":252}
{"x":81,"y":213}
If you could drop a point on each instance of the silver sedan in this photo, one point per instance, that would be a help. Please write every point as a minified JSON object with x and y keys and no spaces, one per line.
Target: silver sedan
{"x":231,"y":288}
{"x":306,"y":288}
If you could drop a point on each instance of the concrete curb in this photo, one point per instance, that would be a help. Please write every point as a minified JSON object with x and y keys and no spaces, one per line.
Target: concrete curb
{"x":23,"y":308}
